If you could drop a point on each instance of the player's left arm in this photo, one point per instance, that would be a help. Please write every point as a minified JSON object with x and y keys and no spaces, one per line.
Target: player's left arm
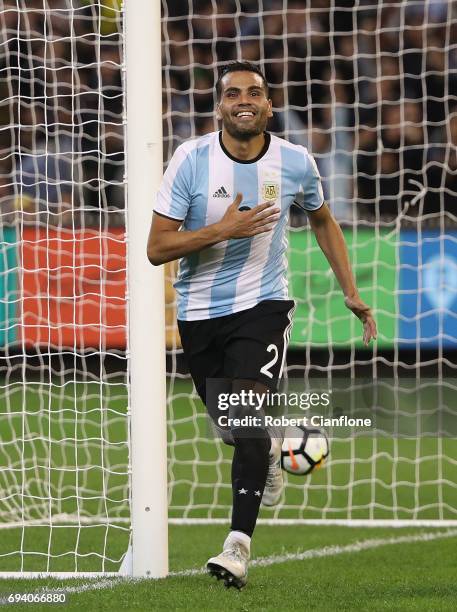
{"x":331,"y":241}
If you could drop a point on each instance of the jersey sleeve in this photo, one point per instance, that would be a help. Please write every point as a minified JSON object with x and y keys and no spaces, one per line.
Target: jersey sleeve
{"x":313,"y":195}
{"x":174,"y":195}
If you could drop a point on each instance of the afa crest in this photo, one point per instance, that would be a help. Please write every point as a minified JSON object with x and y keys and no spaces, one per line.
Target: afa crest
{"x":270,"y":192}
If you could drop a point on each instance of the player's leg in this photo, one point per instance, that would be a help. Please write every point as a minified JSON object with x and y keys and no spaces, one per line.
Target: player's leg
{"x":257,"y":348}
{"x":256,"y":460}
{"x":251,"y":456}
{"x":205,"y":359}
{"x":249,"y":472}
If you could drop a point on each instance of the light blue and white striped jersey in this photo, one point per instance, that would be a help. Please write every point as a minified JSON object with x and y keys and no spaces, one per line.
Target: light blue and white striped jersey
{"x":201,"y":181}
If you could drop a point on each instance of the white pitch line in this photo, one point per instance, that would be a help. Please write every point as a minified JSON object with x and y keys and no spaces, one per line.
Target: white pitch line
{"x":89,"y":586}
{"x":313,"y":553}
{"x":331,"y":551}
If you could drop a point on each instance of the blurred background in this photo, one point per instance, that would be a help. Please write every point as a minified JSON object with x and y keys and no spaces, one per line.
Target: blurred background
{"x":370,"y":88}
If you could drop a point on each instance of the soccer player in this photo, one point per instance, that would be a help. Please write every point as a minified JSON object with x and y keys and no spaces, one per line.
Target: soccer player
{"x":222,"y":209}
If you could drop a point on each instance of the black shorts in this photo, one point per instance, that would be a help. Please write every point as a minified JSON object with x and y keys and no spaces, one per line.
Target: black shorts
{"x":248,"y":345}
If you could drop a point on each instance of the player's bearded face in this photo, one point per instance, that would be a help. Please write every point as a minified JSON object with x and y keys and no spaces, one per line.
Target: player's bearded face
{"x":244,"y":107}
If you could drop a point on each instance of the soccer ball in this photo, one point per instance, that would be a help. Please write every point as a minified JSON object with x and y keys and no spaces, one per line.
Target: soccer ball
{"x":304,"y":449}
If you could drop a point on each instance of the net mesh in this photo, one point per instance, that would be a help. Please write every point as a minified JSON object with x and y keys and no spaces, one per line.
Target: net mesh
{"x":370,"y":89}
{"x":64,"y":394}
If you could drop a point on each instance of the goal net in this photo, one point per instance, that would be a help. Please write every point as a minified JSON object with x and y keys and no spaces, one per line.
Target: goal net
{"x":370,"y":89}
{"x":64,"y":468}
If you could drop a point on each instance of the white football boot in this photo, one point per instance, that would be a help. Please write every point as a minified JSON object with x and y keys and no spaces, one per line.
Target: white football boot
{"x":232,"y":564}
{"x":275,"y":482}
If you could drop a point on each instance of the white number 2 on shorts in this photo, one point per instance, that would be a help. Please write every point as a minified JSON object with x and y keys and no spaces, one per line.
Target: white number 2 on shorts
{"x":266,"y":368}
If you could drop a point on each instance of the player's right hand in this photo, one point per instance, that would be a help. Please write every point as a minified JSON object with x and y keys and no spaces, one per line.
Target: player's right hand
{"x":247,"y":223}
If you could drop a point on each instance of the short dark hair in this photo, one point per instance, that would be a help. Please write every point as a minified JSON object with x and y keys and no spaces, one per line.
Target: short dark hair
{"x":239,"y":67}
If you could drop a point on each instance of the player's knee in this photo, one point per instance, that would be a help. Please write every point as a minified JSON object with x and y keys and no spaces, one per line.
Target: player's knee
{"x":225,"y":435}
{"x":246,"y":418}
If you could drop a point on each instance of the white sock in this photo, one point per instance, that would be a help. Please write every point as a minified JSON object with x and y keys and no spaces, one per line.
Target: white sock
{"x":239,"y":536}
{"x":275,"y":449}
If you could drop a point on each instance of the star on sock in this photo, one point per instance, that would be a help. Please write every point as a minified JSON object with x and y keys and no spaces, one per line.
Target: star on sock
{"x":242,"y":491}
{"x":257,"y":493}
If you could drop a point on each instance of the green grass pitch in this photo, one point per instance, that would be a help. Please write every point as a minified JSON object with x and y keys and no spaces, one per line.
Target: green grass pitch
{"x":417,"y":576}
{"x":394,"y":479}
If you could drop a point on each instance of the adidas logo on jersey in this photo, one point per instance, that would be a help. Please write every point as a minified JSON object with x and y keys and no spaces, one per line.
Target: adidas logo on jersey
{"x":221,"y":193}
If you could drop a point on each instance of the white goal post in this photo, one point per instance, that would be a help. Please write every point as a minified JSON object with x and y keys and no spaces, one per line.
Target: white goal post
{"x":146,"y":292}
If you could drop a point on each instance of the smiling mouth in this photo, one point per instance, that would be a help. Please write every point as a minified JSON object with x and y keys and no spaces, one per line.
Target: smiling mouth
{"x":245,"y":115}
